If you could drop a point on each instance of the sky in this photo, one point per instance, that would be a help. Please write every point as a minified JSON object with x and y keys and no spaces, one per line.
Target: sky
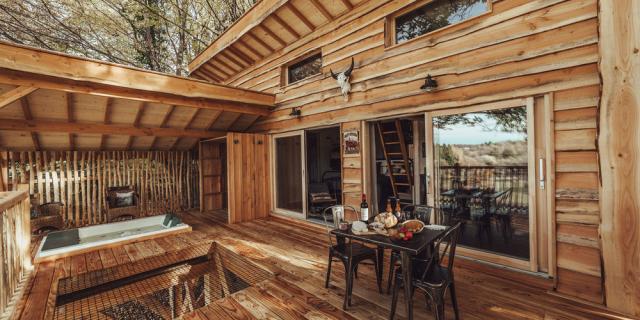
{"x":463,"y":134}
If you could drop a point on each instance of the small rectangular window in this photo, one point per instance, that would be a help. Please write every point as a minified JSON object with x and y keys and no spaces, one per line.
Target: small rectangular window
{"x":304,"y":68}
{"x":435,"y":15}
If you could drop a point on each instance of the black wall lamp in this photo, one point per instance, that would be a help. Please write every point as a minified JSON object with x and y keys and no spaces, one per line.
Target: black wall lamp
{"x":295,"y":112}
{"x":430,"y":84}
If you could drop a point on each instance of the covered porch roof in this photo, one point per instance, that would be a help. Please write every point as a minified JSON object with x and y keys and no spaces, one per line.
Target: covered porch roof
{"x":53,"y":101}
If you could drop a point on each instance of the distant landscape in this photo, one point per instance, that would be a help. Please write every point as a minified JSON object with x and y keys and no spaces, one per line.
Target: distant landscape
{"x":506,"y":153}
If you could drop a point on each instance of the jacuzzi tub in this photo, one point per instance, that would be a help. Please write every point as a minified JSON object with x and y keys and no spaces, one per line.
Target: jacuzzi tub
{"x":74,"y":241}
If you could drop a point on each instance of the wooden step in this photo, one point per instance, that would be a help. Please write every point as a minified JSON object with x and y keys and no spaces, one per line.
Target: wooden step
{"x":392,"y":142}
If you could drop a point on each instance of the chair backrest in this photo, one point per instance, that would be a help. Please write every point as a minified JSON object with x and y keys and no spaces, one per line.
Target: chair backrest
{"x":113,"y":191}
{"x":419,"y":211}
{"x":50,"y":209}
{"x":336,"y":214}
{"x":445,"y":246}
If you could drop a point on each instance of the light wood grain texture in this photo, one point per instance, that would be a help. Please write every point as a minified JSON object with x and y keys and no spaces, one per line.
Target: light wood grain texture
{"x":15,"y":94}
{"x":619,"y":149}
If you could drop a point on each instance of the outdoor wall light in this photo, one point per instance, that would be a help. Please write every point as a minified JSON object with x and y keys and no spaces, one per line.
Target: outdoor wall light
{"x":430,"y":84}
{"x":295,"y":112}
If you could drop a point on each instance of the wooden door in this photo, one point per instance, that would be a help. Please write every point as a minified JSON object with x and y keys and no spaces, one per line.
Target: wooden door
{"x":212,"y":178}
{"x":248,"y":176}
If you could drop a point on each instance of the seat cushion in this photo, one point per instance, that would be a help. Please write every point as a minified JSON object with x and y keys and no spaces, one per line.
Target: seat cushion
{"x":123,"y":199}
{"x":359,"y":251}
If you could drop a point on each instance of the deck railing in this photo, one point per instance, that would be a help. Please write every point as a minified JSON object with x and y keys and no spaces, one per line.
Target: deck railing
{"x":15,"y":243}
{"x":496,"y":178}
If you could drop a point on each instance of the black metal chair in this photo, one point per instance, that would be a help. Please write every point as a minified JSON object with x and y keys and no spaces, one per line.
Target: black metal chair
{"x":350,"y":253}
{"x":432,"y":277}
{"x":420,"y":212}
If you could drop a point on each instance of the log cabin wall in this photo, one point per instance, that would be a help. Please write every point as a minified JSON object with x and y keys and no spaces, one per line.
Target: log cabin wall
{"x":166,"y":181}
{"x":546,"y":49}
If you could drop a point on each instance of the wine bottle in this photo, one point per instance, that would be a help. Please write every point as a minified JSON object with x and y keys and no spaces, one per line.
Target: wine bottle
{"x":389,"y":209}
{"x":364,"y":208}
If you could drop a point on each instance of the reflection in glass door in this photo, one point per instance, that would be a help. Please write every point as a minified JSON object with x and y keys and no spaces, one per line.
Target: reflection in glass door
{"x":289,"y":174}
{"x":481,"y":162}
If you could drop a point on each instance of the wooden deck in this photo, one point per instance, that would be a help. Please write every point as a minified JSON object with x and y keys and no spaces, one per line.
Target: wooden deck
{"x":296,"y":254}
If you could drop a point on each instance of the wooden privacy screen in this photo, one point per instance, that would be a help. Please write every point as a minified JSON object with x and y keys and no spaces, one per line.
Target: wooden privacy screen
{"x":212,"y":178}
{"x":15,"y":243}
{"x":164,"y":180}
{"x":248,"y":176}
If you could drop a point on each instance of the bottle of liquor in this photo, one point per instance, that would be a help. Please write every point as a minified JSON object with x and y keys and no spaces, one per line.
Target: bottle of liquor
{"x":398,"y":210}
{"x":364,"y":208}
{"x":389,"y":209}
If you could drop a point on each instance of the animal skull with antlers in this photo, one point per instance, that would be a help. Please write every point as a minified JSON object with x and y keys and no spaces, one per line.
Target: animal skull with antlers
{"x":343,"y":80}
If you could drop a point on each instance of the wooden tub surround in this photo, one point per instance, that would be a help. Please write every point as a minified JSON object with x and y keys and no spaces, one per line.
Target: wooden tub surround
{"x":292,"y":257}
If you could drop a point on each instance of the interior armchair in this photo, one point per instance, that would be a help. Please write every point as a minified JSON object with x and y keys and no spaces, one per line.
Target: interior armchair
{"x":122,"y":203}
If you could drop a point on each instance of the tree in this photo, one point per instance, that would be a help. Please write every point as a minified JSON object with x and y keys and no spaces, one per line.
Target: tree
{"x":160,"y":35}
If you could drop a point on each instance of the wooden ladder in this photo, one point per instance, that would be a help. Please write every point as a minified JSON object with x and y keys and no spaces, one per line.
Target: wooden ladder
{"x":396,"y":155}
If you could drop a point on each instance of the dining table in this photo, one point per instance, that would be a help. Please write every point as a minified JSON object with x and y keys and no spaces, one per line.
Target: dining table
{"x":408,"y":248}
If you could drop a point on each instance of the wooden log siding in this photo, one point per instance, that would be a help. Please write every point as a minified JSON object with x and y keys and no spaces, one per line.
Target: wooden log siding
{"x":523,"y":48}
{"x":164,"y":180}
{"x":15,"y":243}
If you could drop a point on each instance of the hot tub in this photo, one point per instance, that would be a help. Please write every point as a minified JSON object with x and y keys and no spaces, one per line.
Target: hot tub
{"x":74,"y":241}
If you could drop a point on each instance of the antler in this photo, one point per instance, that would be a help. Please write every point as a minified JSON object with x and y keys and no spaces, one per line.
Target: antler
{"x":333,"y":75}
{"x":348,"y":71}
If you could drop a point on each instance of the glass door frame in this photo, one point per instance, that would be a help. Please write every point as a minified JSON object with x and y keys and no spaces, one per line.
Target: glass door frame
{"x":532,"y":263}
{"x":274,"y":195}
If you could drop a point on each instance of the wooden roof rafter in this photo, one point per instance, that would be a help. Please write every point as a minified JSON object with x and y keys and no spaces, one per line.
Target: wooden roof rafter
{"x":322,"y":9}
{"x":285,"y":25}
{"x":300,"y":16}
{"x":100,"y":128}
{"x":272,"y":34}
{"x":26,"y":110}
{"x":70,"y":117}
{"x":260,"y":42}
{"x":31,"y":67}
{"x":250,"y":49}
{"x":186,"y":127}
{"x":136,"y":122}
{"x":163,"y":124}
{"x":13,"y":95}
{"x":107,"y":120}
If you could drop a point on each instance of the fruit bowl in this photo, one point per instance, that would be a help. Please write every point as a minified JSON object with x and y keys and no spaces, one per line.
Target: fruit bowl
{"x":401,"y":233}
{"x":415,"y":226}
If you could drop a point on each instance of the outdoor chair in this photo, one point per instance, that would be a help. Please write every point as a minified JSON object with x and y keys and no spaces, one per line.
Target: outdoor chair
{"x":48,"y":217}
{"x":420,"y":212}
{"x":320,"y":197}
{"x":350,"y":253}
{"x":432,"y":277}
{"x":122,"y":203}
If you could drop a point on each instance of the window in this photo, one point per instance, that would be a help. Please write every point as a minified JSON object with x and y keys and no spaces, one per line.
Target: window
{"x":435,"y":15}
{"x":304,"y":68}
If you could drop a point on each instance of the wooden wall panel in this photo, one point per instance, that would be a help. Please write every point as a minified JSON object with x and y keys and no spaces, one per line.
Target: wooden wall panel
{"x":619,"y":148}
{"x":522,"y":49}
{"x":165,"y":181}
{"x":212,"y":182}
{"x":352,"y":174}
{"x":579,"y":255}
{"x":248,"y":176}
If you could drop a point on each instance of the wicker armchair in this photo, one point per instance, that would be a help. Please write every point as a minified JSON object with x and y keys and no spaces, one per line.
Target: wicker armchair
{"x":48,"y":217}
{"x":120,"y":206}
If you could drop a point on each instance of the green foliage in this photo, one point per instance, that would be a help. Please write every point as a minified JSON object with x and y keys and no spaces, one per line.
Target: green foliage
{"x":160,"y":35}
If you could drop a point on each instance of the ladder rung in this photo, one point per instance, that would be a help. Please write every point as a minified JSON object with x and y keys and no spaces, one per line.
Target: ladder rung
{"x":402,"y":184}
{"x":388,"y":132}
{"x":401,"y":174}
{"x":392,"y":142}
{"x":394,"y":153}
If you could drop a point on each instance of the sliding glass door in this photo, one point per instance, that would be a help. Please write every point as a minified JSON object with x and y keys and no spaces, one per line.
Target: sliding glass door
{"x":483,"y":166}
{"x":289,"y":186}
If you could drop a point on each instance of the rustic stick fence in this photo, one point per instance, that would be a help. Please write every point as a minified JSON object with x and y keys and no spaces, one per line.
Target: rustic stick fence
{"x":164,"y":180}
{"x":15,"y":243}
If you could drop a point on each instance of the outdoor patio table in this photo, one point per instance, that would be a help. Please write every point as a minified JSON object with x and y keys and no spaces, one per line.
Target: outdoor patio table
{"x":418,"y":244}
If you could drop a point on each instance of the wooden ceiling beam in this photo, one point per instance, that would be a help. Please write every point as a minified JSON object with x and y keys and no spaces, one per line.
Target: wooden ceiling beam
{"x":208,"y":75}
{"x":26,"y":110}
{"x":245,"y":58}
{"x":228,"y":66}
{"x":107,"y":120}
{"x":68,"y":100}
{"x":213,"y":120}
{"x":254,"y":16}
{"x":186,"y":127}
{"x":165,"y":120}
{"x":233,"y":59}
{"x":99,"y":128}
{"x":300,"y":16}
{"x":136,"y":123}
{"x":262,"y":43}
{"x":26,"y":66}
{"x":347,"y":4}
{"x":322,"y":9}
{"x":273,"y":35}
{"x":233,"y":122}
{"x":213,"y":68}
{"x":14,"y":94}
{"x":251,"y":49}
{"x":45,"y":82}
{"x":285,"y":25}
